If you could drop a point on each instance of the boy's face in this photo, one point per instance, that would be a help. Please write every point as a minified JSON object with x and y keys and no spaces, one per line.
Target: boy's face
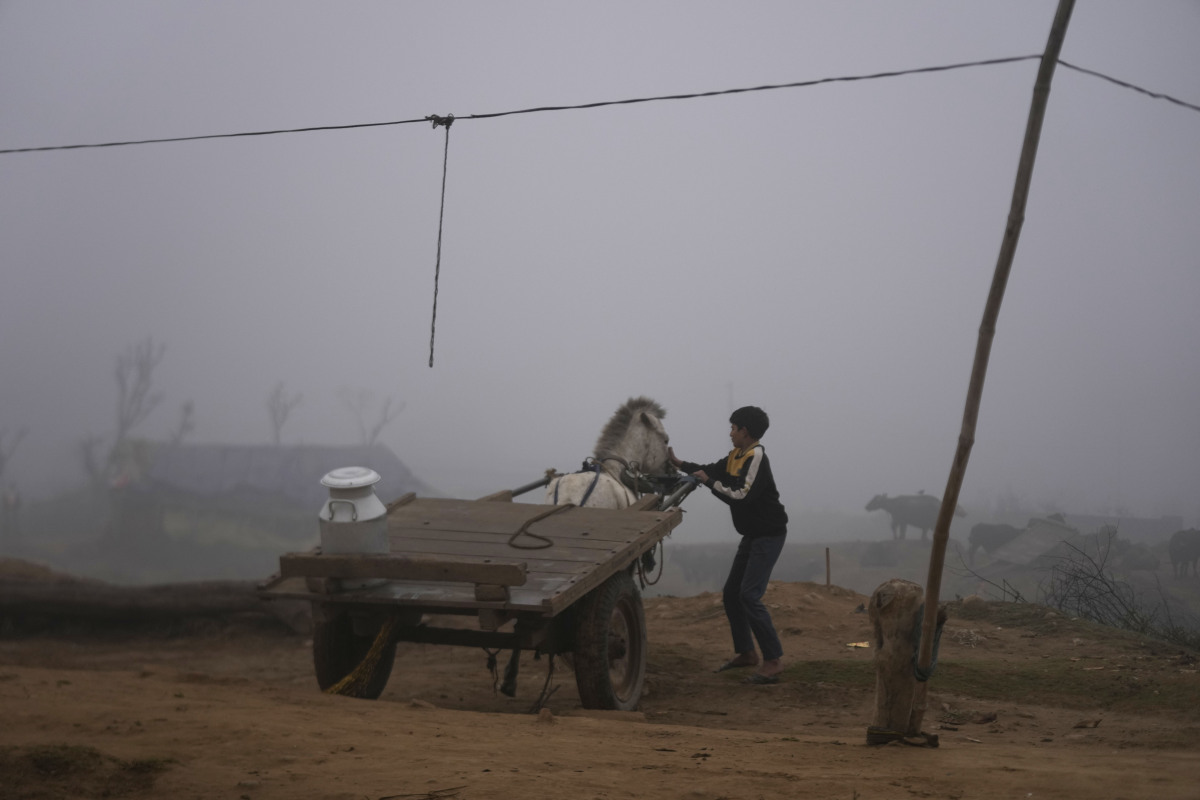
{"x":740,"y":437}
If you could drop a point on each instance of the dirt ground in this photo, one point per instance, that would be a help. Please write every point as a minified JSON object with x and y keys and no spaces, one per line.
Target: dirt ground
{"x":231,"y":710}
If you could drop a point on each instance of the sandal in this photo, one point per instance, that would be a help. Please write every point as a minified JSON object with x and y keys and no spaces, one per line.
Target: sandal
{"x":761,"y":680}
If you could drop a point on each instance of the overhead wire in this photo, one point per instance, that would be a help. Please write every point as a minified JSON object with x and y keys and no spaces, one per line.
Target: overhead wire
{"x":209,"y":136}
{"x":1123,"y":84}
{"x":765,"y":87}
{"x":604,"y":103}
{"x":448,"y":120}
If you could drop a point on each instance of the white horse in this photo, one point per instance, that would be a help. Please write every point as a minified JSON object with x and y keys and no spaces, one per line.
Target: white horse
{"x":632,"y":443}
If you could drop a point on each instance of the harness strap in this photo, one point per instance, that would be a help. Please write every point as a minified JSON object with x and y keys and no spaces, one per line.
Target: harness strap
{"x":593,"y":466}
{"x":592,"y":485}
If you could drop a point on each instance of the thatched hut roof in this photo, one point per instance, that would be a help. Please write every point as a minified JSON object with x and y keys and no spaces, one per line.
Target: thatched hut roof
{"x":289,"y":473}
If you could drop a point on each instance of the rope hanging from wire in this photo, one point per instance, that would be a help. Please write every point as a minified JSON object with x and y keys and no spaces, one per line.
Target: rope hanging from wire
{"x":447,"y":121}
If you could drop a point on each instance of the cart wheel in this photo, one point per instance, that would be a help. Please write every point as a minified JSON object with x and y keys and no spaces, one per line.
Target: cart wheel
{"x":338,"y":649}
{"x":610,"y":646}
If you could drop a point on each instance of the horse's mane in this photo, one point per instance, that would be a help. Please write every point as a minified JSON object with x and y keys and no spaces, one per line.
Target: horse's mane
{"x":616,"y":428}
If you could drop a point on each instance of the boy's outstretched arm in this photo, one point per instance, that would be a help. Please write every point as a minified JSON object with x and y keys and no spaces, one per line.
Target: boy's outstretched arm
{"x":695,"y":470}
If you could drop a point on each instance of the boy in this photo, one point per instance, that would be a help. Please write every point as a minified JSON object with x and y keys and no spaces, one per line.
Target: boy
{"x":744,"y":482}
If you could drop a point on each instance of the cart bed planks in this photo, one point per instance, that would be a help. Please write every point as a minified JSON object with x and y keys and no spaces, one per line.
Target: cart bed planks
{"x":564,"y":577}
{"x":456,"y":556}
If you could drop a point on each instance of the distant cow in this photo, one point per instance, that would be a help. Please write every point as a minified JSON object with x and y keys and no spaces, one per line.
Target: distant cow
{"x":1137,"y":557}
{"x":991,"y":537}
{"x":1184,"y":549}
{"x":919,"y":510}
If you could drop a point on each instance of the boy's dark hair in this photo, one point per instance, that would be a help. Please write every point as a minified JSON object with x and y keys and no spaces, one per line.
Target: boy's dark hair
{"x":752,"y":418}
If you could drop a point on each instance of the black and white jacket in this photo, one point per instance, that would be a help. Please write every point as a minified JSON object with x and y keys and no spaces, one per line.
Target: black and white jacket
{"x":744,"y":482}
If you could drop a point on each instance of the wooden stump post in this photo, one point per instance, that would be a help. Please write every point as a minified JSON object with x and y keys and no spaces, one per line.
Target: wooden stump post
{"x":895,"y":614}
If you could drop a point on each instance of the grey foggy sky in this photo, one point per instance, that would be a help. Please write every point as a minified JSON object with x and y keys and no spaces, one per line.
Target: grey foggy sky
{"x":823,"y":252}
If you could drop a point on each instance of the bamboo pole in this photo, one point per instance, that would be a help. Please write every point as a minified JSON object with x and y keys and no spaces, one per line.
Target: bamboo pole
{"x":983,"y":348}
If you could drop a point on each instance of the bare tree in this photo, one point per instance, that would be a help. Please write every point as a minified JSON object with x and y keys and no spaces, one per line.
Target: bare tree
{"x":280,"y":405}
{"x":1080,"y":583}
{"x":359,"y":401}
{"x":187,"y":423}
{"x":135,"y":377}
{"x":89,"y":456}
{"x":134,"y":373}
{"x":8,"y":448}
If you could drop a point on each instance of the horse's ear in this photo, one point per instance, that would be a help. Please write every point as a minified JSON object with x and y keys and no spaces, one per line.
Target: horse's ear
{"x":653,"y":423}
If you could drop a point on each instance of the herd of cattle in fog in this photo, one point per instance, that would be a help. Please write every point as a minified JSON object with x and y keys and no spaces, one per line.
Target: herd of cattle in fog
{"x":921,"y":510}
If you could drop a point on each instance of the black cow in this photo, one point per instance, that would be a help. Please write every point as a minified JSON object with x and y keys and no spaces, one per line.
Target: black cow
{"x":919,"y":510}
{"x":991,"y":537}
{"x":1184,"y":549}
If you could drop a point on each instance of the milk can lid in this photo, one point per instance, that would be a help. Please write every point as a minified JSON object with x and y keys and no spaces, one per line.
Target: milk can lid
{"x":350,"y":478}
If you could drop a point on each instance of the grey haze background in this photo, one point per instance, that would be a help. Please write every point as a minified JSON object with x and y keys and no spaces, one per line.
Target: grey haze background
{"x":822,"y":252}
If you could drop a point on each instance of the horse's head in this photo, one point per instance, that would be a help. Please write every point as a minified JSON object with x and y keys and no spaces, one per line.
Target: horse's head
{"x":636,"y":435}
{"x":653,"y":457}
{"x":877,"y":502}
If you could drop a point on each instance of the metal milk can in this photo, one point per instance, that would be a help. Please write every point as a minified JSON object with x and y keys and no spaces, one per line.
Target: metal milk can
{"x":353,"y":519}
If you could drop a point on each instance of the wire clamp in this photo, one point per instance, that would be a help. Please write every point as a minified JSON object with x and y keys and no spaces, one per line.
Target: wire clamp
{"x":447,"y":120}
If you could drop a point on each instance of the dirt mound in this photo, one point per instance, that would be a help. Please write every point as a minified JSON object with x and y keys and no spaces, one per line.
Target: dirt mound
{"x":1024,"y":700}
{"x":73,"y":771}
{"x":17,"y":569}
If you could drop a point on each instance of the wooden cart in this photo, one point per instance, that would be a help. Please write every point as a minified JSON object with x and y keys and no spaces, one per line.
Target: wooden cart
{"x":555,"y":579}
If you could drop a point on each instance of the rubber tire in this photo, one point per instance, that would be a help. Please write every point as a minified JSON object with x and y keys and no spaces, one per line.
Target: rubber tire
{"x":610,"y":646}
{"x":338,"y":650}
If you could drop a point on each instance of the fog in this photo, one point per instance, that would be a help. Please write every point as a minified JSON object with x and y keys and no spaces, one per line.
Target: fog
{"x":823,"y":252}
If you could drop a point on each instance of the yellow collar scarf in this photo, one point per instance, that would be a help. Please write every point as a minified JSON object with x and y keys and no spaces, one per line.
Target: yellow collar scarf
{"x":737,"y":459}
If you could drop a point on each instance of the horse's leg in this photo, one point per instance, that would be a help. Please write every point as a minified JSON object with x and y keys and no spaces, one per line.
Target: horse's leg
{"x":509,"y":685}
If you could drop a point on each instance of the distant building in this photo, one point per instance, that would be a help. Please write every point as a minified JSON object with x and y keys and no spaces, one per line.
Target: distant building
{"x":1040,"y":537}
{"x":1149,"y":531}
{"x":1059,"y":535}
{"x":237,"y":478}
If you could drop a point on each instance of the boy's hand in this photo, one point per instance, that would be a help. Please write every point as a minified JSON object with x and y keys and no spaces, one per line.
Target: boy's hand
{"x":701,"y":476}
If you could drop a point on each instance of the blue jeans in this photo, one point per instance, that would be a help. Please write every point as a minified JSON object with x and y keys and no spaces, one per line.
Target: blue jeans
{"x":749,"y":619}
